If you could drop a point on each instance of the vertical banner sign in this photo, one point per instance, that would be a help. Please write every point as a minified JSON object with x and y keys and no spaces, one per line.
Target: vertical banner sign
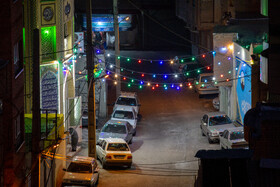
{"x":243,"y":88}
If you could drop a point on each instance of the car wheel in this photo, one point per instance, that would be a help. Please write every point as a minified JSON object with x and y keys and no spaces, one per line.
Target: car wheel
{"x":129,"y":166}
{"x":96,"y":183}
{"x":104,"y":164}
{"x":209,"y":140}
{"x":202,"y":133}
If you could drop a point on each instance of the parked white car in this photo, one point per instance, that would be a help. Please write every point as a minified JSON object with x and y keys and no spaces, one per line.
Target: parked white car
{"x":82,"y":171}
{"x":113,"y":152}
{"x":233,"y":138}
{"x":117,"y":129}
{"x":204,"y":84}
{"x":213,"y":124}
{"x":128,"y":99}
{"x":125,"y":113}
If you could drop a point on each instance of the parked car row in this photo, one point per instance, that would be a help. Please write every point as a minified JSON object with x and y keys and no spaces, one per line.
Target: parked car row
{"x":112,"y":146}
{"x":218,"y":127}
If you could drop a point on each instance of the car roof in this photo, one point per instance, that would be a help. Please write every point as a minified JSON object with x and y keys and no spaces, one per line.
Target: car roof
{"x":114,"y":140}
{"x":235,"y":129}
{"x":119,"y":122}
{"x":124,"y":108}
{"x":215,"y":114}
{"x":83,"y":159}
{"x":128,"y":94}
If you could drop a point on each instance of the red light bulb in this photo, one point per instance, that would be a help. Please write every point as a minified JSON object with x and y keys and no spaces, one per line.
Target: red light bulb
{"x":156,"y":85}
{"x":142,"y":75}
{"x":124,"y":78}
{"x":153,"y":87}
{"x":203,"y":56}
{"x":139,"y":61}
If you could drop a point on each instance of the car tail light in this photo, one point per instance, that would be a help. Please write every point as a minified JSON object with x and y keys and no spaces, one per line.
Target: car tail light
{"x":109,"y":157}
{"x":129,"y":157}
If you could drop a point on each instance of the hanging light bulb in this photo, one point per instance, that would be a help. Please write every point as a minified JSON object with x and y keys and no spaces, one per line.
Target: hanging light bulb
{"x":154,"y":76}
{"x":124,"y":78}
{"x":153,"y":87}
{"x":161,"y":62}
{"x":165,"y":88}
{"x":115,"y":83}
{"x":156,"y":85}
{"x":128,"y":59}
{"x":165,"y":76}
{"x":176,"y":76}
{"x":119,"y":57}
{"x":172,"y":85}
{"x":132,"y":80}
{"x":181,"y":85}
{"x":182,"y":60}
{"x":129,"y":85}
{"x":140,"y":86}
{"x":142,"y":75}
{"x":141,"y":82}
{"x":149,"y":84}
{"x":108,"y":55}
{"x":203,"y":56}
{"x":139,"y":61}
{"x":116,"y":75}
{"x":171,"y":62}
{"x":111,"y":66}
{"x":221,"y":75}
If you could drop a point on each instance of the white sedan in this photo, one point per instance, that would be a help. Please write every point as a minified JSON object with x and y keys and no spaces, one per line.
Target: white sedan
{"x":233,"y":138}
{"x":113,"y":152}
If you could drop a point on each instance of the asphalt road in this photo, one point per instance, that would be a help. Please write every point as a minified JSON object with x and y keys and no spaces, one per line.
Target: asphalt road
{"x":168,"y":136}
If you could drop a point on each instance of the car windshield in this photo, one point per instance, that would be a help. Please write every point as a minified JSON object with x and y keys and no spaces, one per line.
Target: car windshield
{"x":219,"y":120}
{"x":237,"y":135}
{"x":75,"y":167}
{"x":206,"y":79}
{"x":123,"y":114}
{"x":114,"y":128}
{"x":126,"y":101}
{"x":117,"y":147}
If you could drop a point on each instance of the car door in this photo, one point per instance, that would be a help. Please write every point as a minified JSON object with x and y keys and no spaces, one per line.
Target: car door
{"x":98,"y":148}
{"x":226,"y":142}
{"x":223,"y":139}
{"x":129,"y":132}
{"x":204,"y":124}
{"x":103,"y":149}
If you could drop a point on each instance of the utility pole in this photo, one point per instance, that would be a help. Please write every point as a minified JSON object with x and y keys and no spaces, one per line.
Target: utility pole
{"x":117,"y":47}
{"x":36,"y":113}
{"x":91,"y":86}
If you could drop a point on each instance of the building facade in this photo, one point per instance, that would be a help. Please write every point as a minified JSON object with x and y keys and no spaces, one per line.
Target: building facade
{"x":55,"y":21}
{"x":201,"y":16}
{"x":12,"y":145}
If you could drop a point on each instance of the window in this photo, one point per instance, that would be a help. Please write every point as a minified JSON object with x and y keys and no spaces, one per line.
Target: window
{"x":103,"y":145}
{"x":123,"y":114}
{"x":126,"y":101}
{"x":117,"y":147}
{"x":114,"y":128}
{"x":18,"y":131}
{"x":219,"y":120}
{"x":18,"y":65}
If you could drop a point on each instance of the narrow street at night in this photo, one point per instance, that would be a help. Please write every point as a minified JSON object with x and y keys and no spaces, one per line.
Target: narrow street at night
{"x":168,"y":136}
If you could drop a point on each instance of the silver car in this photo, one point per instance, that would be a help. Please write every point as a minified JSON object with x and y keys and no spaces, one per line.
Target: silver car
{"x":117,"y":129}
{"x":233,"y":138}
{"x":213,"y":124}
{"x":205,"y":85}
